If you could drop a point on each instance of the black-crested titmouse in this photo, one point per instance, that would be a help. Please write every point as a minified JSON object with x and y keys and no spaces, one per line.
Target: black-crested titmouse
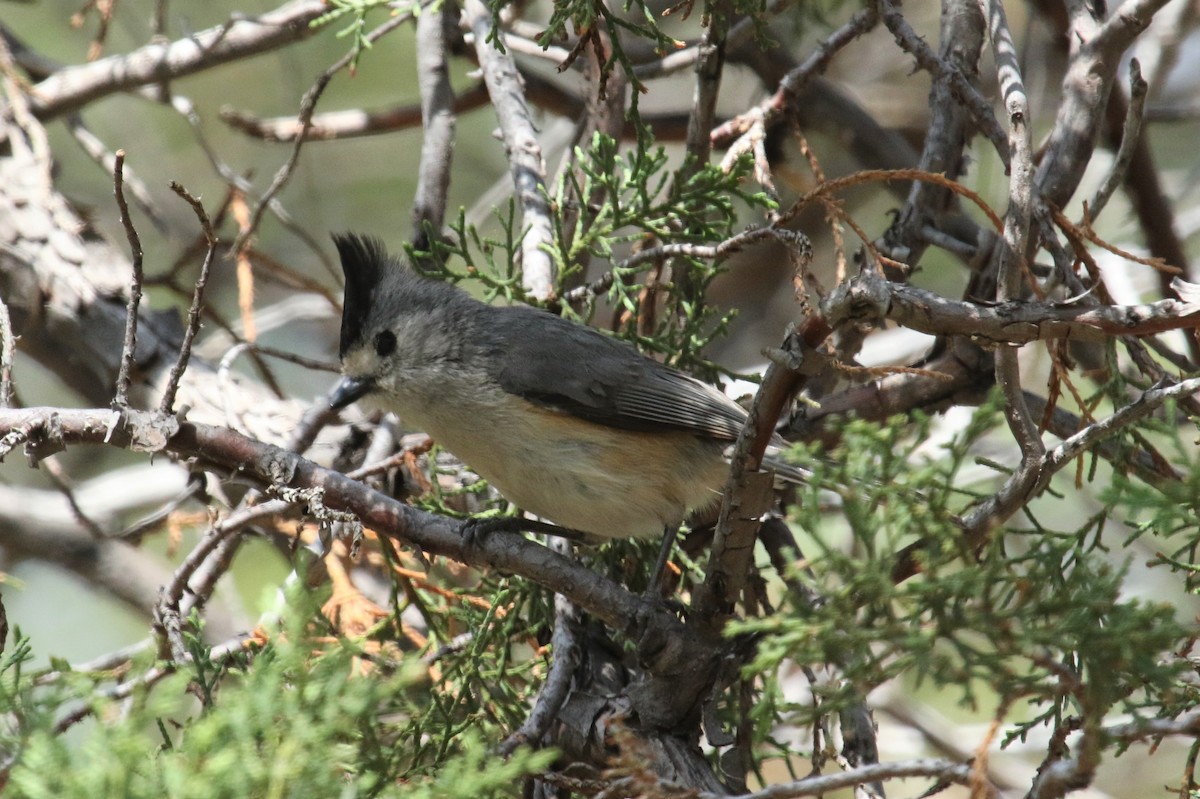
{"x":569,"y":424}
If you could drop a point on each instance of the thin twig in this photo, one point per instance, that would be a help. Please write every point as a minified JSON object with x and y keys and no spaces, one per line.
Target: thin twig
{"x":347,"y":123}
{"x":863,"y":21}
{"x":1153,"y":208}
{"x":135,"y":531}
{"x":8,"y":346}
{"x":1096,"y":293}
{"x":979,"y":108}
{"x":228,"y":396}
{"x":318,"y":415}
{"x":962,"y":33}
{"x":831,"y":187}
{"x":94,"y":147}
{"x":997,"y":508}
{"x":1026,"y":483}
{"x":943,"y":770}
{"x":722,"y":249}
{"x":187,"y":109}
{"x":239,"y":645}
{"x":58,"y":476}
{"x":565,"y":654}
{"x":1011,"y":249}
{"x":1129,"y":140}
{"x":193,"y":325}
{"x":121,"y":398}
{"x":308,"y":105}
{"x":746,"y":27}
{"x":709,"y":69}
{"x":1159,"y":49}
{"x":106,"y":662}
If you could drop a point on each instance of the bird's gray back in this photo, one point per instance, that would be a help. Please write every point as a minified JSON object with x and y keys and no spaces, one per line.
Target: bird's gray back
{"x":576,"y":369}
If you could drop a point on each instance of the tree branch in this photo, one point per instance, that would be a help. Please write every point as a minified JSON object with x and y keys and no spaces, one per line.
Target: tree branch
{"x":1011,"y":323}
{"x":1009,"y":253}
{"x":74,"y":87}
{"x":41,"y":430}
{"x":523,"y":148}
{"x":942,"y":770}
{"x":1086,"y":88}
{"x":959,"y":84}
{"x":121,"y":398}
{"x":434,"y":31}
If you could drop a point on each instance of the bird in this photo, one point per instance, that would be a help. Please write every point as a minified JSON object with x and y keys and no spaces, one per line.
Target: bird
{"x":566,"y":422}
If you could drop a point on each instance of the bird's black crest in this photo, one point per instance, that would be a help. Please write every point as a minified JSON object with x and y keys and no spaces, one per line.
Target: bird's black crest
{"x":365,"y":262}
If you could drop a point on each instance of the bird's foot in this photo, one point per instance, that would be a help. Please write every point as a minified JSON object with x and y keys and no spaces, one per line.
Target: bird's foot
{"x":475,"y":529}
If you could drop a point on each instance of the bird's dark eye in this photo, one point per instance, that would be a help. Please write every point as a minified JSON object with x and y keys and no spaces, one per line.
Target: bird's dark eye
{"x":385,"y":343}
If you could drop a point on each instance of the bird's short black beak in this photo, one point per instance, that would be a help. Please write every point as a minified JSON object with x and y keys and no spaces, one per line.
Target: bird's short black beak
{"x":348,"y":389}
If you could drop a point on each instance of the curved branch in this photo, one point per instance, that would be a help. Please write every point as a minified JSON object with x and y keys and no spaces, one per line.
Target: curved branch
{"x":1086,"y":87}
{"x":943,"y":770}
{"x":1010,"y":323}
{"x":41,"y":430}
{"x":74,"y":87}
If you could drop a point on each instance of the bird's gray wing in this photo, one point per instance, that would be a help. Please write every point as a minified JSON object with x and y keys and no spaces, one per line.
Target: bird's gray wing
{"x":579,"y":370}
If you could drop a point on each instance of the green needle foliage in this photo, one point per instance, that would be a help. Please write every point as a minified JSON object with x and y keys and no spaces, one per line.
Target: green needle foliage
{"x":283,"y":723}
{"x":1037,"y":627}
{"x":632,"y":197}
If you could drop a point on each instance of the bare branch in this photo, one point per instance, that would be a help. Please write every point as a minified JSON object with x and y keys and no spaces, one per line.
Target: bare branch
{"x":942,"y":770}
{"x":8,"y":345}
{"x":40,"y":525}
{"x":96,"y":150}
{"x":58,"y":476}
{"x":74,"y":87}
{"x":346,"y":124}
{"x":722,"y":249}
{"x":240,"y":184}
{"x":1010,"y":252}
{"x":121,"y":399}
{"x":308,"y":105}
{"x":709,"y":67}
{"x":193,"y":325}
{"x":1086,"y":88}
{"x":155,"y":674}
{"x":231,"y":453}
{"x":994,"y":510}
{"x":790,"y":87}
{"x":1187,"y":724}
{"x":935,"y":65}
{"x":687,"y":57}
{"x":1130,"y":135}
{"x":565,"y":651}
{"x":1012,"y":323}
{"x":523,"y":148}
{"x":437,"y":113}
{"x":1155,"y":211}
